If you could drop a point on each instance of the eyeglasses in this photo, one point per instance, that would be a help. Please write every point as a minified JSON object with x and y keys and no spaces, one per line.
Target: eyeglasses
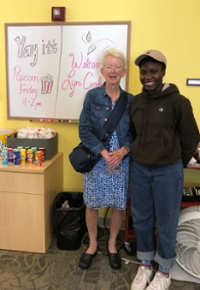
{"x":111,"y":67}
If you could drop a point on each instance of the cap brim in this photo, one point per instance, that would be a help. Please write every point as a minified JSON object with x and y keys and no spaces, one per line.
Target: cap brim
{"x":140,"y":58}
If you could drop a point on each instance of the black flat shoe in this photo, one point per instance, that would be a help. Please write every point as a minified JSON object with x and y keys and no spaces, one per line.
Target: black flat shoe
{"x":86,"y":260}
{"x":115,"y":261}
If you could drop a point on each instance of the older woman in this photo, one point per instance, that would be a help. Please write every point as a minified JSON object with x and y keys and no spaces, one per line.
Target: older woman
{"x":106,"y":185}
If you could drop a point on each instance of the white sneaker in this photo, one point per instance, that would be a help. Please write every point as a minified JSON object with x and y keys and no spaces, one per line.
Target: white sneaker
{"x":160,"y":282}
{"x":143,"y":277}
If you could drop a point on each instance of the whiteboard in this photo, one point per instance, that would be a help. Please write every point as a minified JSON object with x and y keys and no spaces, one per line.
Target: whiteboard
{"x":50,"y":67}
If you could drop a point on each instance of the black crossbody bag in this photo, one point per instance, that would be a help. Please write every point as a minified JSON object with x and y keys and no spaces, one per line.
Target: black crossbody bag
{"x":81,"y":158}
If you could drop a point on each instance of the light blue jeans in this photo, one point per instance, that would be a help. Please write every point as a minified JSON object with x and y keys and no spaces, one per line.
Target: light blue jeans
{"x":156,"y":194}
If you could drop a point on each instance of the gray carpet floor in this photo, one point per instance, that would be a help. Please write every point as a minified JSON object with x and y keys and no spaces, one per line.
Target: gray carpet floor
{"x":58,"y":270}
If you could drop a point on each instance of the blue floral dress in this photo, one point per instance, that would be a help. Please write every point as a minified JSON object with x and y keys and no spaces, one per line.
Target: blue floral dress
{"x":105,"y":189}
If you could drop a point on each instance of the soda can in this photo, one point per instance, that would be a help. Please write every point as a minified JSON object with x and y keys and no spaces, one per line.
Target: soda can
{"x":20,"y":147}
{"x":16,"y":157}
{"x":34,"y":153}
{"x":4,"y":157}
{"x":42,"y":149}
{"x":30,"y":157}
{"x":38,"y":161}
{"x":27,"y":147}
{"x":23,"y":156}
{"x":10,"y":155}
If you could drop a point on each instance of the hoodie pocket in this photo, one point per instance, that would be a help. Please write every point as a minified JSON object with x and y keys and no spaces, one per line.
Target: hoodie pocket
{"x":150,"y":150}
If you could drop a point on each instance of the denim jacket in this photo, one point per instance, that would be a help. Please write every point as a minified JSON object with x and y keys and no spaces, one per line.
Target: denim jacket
{"x":96,"y":109}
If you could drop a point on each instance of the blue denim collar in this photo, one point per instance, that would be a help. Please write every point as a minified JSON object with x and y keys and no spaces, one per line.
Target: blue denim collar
{"x":104,"y":93}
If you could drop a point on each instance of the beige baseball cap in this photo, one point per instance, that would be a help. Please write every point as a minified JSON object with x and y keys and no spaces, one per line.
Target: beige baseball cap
{"x":155,"y":54}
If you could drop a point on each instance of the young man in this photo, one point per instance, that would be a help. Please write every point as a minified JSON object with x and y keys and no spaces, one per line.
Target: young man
{"x":166,"y":138}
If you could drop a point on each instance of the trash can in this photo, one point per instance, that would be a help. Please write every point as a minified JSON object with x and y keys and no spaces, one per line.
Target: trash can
{"x":69,"y":220}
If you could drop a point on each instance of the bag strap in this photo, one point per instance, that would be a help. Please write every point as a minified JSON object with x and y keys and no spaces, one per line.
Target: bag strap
{"x":115,"y":116}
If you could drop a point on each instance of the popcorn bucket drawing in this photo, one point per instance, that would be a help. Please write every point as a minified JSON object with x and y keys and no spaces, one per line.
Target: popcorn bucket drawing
{"x":47,"y":84}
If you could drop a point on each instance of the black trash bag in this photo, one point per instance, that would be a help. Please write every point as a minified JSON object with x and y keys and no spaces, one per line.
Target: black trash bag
{"x":69,"y":222}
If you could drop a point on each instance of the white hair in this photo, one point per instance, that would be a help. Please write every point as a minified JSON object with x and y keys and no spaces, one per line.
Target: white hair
{"x":113,"y":52}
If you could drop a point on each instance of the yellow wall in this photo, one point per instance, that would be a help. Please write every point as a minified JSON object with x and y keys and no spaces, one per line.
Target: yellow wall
{"x":168,"y":25}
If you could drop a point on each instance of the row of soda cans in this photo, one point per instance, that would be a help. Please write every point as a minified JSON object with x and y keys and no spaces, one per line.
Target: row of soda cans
{"x":23,"y":155}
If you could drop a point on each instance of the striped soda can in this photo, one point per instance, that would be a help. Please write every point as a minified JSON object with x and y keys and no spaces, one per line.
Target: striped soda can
{"x":27,"y":147}
{"x":34,"y":153}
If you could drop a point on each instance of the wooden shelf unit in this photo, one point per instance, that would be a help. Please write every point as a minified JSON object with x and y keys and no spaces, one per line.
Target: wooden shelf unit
{"x":27,"y":193}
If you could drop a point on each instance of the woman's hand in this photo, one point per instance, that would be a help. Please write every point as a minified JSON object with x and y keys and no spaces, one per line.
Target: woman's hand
{"x":114,"y":158}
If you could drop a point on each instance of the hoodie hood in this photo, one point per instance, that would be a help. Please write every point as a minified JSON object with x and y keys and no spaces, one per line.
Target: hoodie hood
{"x":167,"y":89}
